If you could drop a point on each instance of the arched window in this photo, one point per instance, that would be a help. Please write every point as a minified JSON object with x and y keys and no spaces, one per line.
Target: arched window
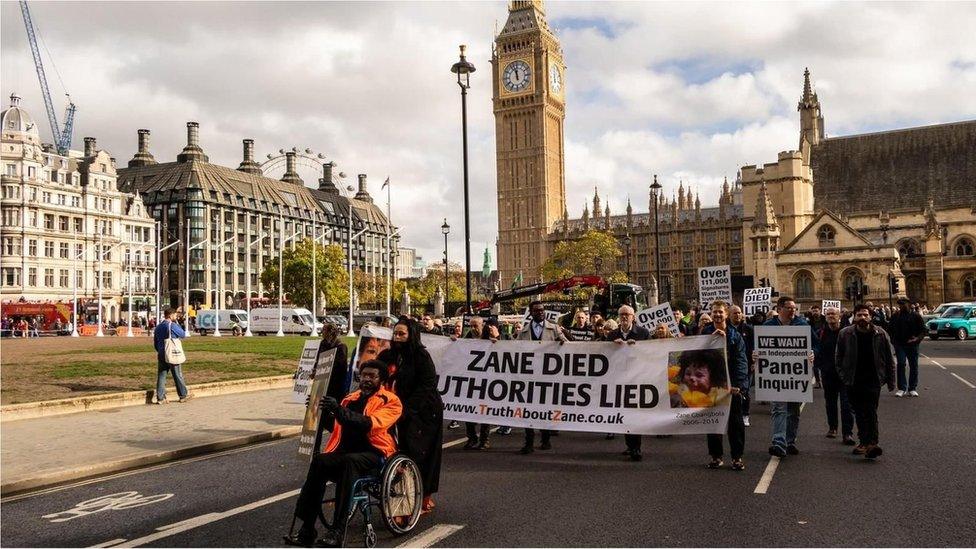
{"x":969,"y":286}
{"x":853,"y":278}
{"x":803,"y":285}
{"x":964,"y":247}
{"x":908,"y":248}
{"x":826,"y":235}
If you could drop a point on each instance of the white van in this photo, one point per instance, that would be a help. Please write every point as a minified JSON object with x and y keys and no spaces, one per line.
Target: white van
{"x":231,"y":320}
{"x":293,"y":321}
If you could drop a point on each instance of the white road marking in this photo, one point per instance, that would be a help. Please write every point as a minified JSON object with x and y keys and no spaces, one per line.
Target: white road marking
{"x":970,"y":385}
{"x":183,"y":526}
{"x":195,"y":522}
{"x":117,"y":502}
{"x":932,"y":361}
{"x":432,"y":535}
{"x":110,"y":543}
{"x":767,"y":476}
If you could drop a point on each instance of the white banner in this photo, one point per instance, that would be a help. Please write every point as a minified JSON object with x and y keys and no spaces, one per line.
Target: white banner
{"x":829,"y":303}
{"x":303,"y":376}
{"x":714,"y":283}
{"x":757,"y":300}
{"x":651,"y":317}
{"x":664,"y":386}
{"x":783,"y":371}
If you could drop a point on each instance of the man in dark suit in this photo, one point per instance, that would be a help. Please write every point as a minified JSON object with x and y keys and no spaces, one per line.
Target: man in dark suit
{"x":628,"y":332}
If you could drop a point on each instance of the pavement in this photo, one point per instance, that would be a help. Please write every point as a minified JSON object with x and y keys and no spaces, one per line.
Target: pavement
{"x":49,"y":450}
{"x":581,"y":493}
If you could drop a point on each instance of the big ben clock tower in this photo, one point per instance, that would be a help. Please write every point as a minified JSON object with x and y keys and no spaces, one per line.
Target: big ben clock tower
{"x":528,"y":97}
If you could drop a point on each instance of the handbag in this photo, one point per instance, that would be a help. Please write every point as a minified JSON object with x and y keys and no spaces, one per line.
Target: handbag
{"x":173,"y":348}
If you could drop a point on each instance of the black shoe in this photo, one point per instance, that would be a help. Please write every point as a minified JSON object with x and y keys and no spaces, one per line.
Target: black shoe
{"x":777,"y":451}
{"x":332,"y":538}
{"x":545,"y":445}
{"x":526,"y":450}
{"x":738,"y":465}
{"x":715,"y":463}
{"x":305,"y":537}
{"x":609,"y":436}
{"x":471,"y":444}
{"x":453,"y":425}
{"x":625,"y":452}
{"x":792,"y":450}
{"x":849,"y":441}
{"x":504,"y":431}
{"x":484,"y":445}
{"x":832,"y":433}
{"x":635,"y":455}
{"x":872,"y":452}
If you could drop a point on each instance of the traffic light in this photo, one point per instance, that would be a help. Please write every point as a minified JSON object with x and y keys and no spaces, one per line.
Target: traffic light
{"x":895,"y":286}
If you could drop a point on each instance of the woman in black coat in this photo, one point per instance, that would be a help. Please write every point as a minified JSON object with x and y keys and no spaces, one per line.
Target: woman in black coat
{"x":331,"y":340}
{"x":413,"y":378}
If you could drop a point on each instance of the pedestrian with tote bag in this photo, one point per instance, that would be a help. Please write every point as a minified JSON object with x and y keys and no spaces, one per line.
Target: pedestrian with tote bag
{"x":169,"y":354}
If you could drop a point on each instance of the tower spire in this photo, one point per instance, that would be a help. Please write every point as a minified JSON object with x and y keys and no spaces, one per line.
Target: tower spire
{"x":807,"y":89}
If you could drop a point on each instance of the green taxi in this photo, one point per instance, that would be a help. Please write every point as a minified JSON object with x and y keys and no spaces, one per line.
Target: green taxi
{"x":958,"y":322}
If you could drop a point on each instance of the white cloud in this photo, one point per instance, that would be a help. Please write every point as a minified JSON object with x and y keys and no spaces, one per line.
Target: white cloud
{"x":688,"y":91}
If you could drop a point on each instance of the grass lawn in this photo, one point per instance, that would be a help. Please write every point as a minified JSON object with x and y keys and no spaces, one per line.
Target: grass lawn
{"x":61,"y":367}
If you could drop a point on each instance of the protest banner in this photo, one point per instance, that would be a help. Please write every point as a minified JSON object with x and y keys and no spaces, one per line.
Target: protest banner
{"x":714,"y":283}
{"x":829,"y":303}
{"x":306,"y":367}
{"x":595,"y":387}
{"x":649,"y":318}
{"x":311,"y":437}
{"x":783,"y":371}
{"x":580,"y":334}
{"x":757,"y":300}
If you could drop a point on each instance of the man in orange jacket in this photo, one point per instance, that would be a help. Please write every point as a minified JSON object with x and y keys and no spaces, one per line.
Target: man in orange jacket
{"x":359,"y":442}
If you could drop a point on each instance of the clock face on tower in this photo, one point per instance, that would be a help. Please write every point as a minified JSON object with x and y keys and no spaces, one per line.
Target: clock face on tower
{"x":555,"y":79}
{"x":517,"y":76}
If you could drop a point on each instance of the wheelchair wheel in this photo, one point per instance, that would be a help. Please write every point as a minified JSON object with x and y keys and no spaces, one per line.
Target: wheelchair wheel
{"x":401,"y":494}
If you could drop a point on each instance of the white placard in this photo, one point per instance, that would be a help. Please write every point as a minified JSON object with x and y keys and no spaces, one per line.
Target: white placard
{"x":757,"y":300}
{"x":714,"y":283}
{"x":829,"y":303}
{"x":303,"y":376}
{"x":784,"y":372}
{"x":651,"y":317}
{"x":551,"y":316}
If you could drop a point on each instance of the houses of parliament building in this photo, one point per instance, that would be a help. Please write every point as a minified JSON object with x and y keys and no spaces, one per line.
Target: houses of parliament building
{"x":835,"y":213}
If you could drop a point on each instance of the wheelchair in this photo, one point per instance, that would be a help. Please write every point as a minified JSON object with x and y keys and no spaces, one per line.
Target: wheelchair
{"x":395,"y":488}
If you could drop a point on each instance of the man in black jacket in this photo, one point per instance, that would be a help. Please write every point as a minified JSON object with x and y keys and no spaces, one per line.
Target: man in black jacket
{"x":628,"y":332}
{"x":907,"y":330}
{"x":738,"y":321}
{"x":834,"y":388}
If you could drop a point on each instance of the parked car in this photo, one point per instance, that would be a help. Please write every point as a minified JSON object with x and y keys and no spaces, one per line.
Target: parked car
{"x":292,"y":321}
{"x":231,"y":321}
{"x":341,"y":322}
{"x":958,"y":322}
{"x":938,"y":311}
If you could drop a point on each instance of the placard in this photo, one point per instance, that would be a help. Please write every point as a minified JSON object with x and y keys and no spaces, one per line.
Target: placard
{"x":649,"y":318}
{"x":714,"y":283}
{"x":784,"y":372}
{"x":306,"y":369}
{"x":829,"y":303}
{"x":311,"y":437}
{"x":551,"y":316}
{"x":756,"y":300}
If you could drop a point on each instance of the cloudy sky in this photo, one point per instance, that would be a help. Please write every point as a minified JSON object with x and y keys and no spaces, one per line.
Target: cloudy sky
{"x":686,"y":90}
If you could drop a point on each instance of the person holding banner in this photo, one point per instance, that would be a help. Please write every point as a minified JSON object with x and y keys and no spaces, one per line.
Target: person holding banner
{"x":538,"y":329}
{"x":735,"y":349}
{"x":359,"y":441}
{"x":337,"y":381}
{"x":865,"y":363}
{"x":738,"y":321}
{"x":478,"y":434}
{"x":786,"y":415}
{"x":413,"y":378}
{"x":834,"y":388}
{"x":629,"y":332}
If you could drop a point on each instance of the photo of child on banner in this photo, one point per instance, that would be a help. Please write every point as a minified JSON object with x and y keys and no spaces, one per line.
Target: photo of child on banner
{"x":698,"y":378}
{"x":311,"y":436}
{"x":373,"y":340}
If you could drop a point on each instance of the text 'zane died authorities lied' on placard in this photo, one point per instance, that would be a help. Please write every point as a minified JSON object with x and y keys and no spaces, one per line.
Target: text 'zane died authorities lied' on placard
{"x":784,"y":372}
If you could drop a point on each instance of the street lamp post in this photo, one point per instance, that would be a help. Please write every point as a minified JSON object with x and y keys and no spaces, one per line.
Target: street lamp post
{"x":446,"y":229}
{"x":186,"y":304}
{"x":315,"y":243}
{"x":220,"y":276}
{"x":281,"y":270}
{"x":74,"y":276}
{"x":656,"y":192}
{"x":101,"y":257}
{"x":627,"y":242}
{"x":159,"y":272}
{"x":463,"y":68}
{"x":248,"y":333}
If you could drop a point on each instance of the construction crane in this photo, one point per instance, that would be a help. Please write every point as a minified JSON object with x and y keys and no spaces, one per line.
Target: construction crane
{"x":62,"y":136}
